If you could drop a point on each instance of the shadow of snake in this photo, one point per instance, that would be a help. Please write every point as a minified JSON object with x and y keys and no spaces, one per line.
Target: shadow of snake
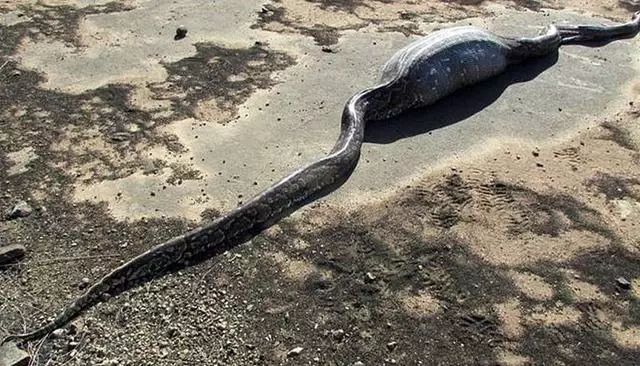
{"x":416,"y":76}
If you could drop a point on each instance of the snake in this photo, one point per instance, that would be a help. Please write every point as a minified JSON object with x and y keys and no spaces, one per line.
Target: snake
{"x":416,"y":76}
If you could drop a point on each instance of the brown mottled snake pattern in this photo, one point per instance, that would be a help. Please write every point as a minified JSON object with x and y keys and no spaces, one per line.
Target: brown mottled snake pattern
{"x":416,"y":76}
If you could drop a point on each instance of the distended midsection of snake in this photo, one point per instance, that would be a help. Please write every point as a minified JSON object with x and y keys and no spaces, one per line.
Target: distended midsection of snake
{"x":416,"y":76}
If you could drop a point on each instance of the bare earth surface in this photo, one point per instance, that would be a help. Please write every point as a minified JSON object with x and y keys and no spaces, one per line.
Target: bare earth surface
{"x":488,"y":229}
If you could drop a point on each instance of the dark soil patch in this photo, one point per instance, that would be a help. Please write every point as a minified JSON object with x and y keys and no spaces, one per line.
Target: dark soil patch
{"x":619,"y":135}
{"x":362,"y":297}
{"x":614,"y":187}
{"x":348,"y":6}
{"x":209,"y":74}
{"x":323,"y":35}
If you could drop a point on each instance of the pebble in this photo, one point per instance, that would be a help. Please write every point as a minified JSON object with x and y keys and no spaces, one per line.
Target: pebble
{"x":623,"y":283}
{"x":11,"y":355}
{"x":11,"y":253}
{"x":172,"y":332}
{"x":84,"y":283}
{"x":392,"y":345}
{"x":369,"y":277}
{"x":358,"y":363}
{"x":119,"y":136}
{"x":59,"y":333}
{"x":21,"y":209}
{"x":181,"y":32}
{"x":337,"y":334}
{"x":295,"y":351}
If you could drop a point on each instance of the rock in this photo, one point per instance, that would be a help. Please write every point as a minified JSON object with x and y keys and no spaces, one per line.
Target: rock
{"x":369,"y":277}
{"x":181,"y":32}
{"x":76,"y":326}
{"x":623,"y":283}
{"x":338,"y":335}
{"x":21,"y":209}
{"x":392,"y":345}
{"x":59,"y":333}
{"x":84,"y":283}
{"x":295,"y":352}
{"x":328,"y":50}
{"x":172,"y":332}
{"x":11,"y":253}
{"x":358,"y":363}
{"x":11,"y":355}
{"x":119,"y":136}
{"x":366,"y":335}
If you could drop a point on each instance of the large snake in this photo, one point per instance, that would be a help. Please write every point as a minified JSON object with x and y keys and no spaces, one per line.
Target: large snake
{"x":416,"y":76}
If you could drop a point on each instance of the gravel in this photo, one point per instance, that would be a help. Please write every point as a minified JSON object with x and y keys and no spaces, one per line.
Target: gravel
{"x":20,"y":209}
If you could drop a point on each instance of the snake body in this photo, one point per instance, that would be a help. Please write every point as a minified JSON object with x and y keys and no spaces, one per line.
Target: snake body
{"x":416,"y":76}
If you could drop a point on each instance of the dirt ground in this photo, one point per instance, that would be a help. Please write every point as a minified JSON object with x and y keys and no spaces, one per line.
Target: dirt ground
{"x":507,"y":257}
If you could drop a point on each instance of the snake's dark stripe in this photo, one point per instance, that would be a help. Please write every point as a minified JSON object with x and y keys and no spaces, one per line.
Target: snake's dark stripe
{"x":416,"y":76}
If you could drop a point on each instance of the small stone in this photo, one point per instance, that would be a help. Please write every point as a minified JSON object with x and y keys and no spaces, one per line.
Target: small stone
{"x":11,"y":355}
{"x":366,"y":335}
{"x":295,"y":352}
{"x":328,"y":50}
{"x":11,"y":253}
{"x":172,"y":332}
{"x":369,"y":277}
{"x":84,"y":283}
{"x":181,"y":32}
{"x":338,"y":334}
{"x":16,"y":73}
{"x":75,"y":326}
{"x":21,"y":209}
{"x":59,"y":333}
{"x":392,"y":345}
{"x":358,"y":363}
{"x":623,"y":283}
{"x":119,"y":136}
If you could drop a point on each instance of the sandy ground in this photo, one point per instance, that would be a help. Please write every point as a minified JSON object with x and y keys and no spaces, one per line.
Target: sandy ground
{"x":488,"y":229}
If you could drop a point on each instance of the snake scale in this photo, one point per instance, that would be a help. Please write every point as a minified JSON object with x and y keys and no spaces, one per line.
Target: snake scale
{"x":416,"y":76}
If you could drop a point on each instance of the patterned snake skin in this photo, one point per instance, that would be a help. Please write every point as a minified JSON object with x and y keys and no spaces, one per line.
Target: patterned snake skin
{"x":418,"y":75}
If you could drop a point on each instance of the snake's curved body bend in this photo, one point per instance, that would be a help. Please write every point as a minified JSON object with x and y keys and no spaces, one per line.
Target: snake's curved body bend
{"x":418,"y":75}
